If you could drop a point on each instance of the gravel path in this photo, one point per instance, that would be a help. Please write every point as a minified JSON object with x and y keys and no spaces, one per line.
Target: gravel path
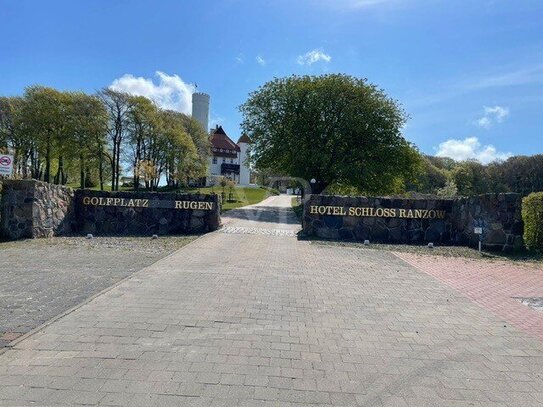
{"x":44,"y":277}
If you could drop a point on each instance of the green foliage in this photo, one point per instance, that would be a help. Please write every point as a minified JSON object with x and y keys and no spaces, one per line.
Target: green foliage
{"x":430,"y":176}
{"x":450,"y":190}
{"x":532,"y":215}
{"x":342,"y":189}
{"x":60,"y":135}
{"x":334,"y":128}
{"x":520,"y":174}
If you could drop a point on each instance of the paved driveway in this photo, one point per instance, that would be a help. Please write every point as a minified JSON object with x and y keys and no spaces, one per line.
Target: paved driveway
{"x":250,"y":316}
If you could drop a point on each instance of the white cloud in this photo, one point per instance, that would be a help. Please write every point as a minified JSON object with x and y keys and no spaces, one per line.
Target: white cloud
{"x":260,"y":60}
{"x":240,"y":59}
{"x":313,"y":56}
{"x":171,"y":92}
{"x":496,"y":114}
{"x":470,"y":148}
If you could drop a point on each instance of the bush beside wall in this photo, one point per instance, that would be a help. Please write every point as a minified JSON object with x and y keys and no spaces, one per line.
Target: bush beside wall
{"x":532,"y":215}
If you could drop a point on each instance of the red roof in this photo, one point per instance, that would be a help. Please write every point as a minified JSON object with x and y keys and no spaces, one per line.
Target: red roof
{"x":244,"y":139}
{"x":222,"y":145}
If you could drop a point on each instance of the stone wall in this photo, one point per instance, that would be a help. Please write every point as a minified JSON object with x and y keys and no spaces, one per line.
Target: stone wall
{"x":31,"y":209}
{"x":500,"y":216}
{"x":412,"y":221}
{"x":36,"y":209}
{"x":146,"y":213}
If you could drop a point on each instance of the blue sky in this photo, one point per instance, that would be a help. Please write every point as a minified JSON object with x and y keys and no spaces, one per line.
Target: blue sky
{"x":469,"y":72}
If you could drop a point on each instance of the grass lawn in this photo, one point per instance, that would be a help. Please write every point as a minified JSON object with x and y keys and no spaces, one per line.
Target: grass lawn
{"x":242,"y":196}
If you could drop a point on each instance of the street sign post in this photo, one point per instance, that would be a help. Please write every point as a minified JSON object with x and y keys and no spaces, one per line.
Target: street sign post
{"x":6,"y":164}
{"x":479,"y":231}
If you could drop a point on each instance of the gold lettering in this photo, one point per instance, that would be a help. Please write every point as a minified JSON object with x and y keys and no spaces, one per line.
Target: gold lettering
{"x":418,"y":213}
{"x":440,"y":214}
{"x":431,"y":214}
{"x":393,"y":213}
{"x":313,"y":210}
{"x":209,"y":206}
{"x":193,"y":205}
{"x":86,"y":200}
{"x":145,"y":203}
{"x":379,"y":212}
{"x":402,"y":213}
{"x":409,"y":213}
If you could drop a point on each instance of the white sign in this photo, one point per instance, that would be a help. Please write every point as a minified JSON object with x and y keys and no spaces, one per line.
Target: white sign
{"x":6,"y":164}
{"x":478,"y":231}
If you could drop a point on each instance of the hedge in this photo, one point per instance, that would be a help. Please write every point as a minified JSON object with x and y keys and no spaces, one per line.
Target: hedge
{"x":532,"y":215}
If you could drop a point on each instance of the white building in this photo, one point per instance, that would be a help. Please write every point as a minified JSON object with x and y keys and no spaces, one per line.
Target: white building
{"x":228,"y":159}
{"x":200,"y":108}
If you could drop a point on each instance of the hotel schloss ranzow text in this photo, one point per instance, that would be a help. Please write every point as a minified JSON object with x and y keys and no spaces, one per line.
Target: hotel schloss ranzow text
{"x":377,"y":212}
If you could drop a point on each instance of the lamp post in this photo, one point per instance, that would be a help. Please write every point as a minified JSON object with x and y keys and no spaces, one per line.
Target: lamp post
{"x":312,"y":182}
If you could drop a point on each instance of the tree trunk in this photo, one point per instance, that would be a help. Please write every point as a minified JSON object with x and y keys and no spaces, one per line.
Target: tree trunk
{"x":47,"y":174}
{"x":59,"y":176}
{"x":101,"y":169}
{"x":118,"y":166}
{"x":81,"y":171}
{"x":113,"y":161}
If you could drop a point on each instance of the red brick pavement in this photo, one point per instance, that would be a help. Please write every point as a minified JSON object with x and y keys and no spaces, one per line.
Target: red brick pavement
{"x":492,"y":285}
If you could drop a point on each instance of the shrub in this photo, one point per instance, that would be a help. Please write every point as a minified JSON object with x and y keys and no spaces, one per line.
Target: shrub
{"x":532,"y":215}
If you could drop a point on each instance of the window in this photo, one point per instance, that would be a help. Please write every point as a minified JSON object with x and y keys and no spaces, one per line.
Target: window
{"x":214,"y":160}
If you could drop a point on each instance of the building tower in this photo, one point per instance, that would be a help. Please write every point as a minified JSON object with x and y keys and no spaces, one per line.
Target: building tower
{"x":244,"y":170}
{"x":200,"y":109}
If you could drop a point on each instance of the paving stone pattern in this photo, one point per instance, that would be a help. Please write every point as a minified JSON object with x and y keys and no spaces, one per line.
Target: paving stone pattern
{"x":237,"y":319}
{"x":510,"y":291}
{"x":42,"y":278}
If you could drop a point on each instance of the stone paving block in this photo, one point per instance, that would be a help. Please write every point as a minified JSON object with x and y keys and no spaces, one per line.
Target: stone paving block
{"x":293,"y":324}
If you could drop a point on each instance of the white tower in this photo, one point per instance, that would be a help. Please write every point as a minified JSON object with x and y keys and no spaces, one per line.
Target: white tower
{"x":200,"y":109}
{"x":244,"y":170}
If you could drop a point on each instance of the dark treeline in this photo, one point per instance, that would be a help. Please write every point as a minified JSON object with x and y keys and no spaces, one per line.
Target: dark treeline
{"x":76,"y":138}
{"x":446,"y":177}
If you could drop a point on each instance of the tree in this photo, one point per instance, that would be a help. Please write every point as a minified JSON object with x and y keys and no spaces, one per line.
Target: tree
{"x":118,"y":106}
{"x":88,"y":124}
{"x":143,"y":127}
{"x":471,"y":178}
{"x":448,"y":191}
{"x":429,"y":178}
{"x":43,"y":115}
{"x":12,"y":136}
{"x":333,"y":128}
